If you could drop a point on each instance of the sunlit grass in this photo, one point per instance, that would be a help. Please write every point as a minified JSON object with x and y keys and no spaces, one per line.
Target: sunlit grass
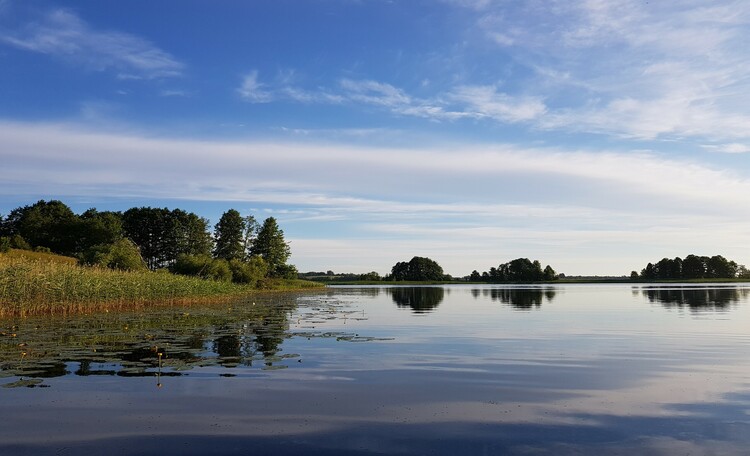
{"x":43,"y":286}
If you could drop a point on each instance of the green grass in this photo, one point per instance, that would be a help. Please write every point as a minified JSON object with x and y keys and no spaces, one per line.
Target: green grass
{"x":39,"y":285}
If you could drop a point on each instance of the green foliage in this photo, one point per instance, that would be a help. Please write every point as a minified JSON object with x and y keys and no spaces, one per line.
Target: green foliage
{"x":29,"y":286}
{"x":271,"y":246}
{"x":203,"y":266}
{"x":230,"y":236}
{"x":4,"y":244}
{"x":286,"y":271}
{"x":370,"y":276}
{"x":122,"y":255}
{"x":42,"y":249}
{"x":163,"y":235}
{"x":160,"y":235}
{"x":520,"y":270}
{"x":49,"y":224}
{"x":98,"y":228}
{"x":417,"y":269}
{"x":18,"y":242}
{"x":692,"y":267}
{"x":248,"y":272}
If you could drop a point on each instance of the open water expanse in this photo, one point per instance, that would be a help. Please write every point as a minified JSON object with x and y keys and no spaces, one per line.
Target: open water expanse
{"x":476,"y":370}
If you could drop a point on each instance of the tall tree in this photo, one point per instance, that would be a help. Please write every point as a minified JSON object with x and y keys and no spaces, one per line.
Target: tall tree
{"x":50,"y":224}
{"x":271,"y":246}
{"x":230,"y":236}
{"x":147,"y":227}
{"x":98,"y":228}
{"x":252,"y":227}
{"x":191,"y":235}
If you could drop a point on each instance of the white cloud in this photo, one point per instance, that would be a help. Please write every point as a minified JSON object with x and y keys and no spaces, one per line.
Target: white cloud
{"x":64,"y":35}
{"x":251,"y":90}
{"x":486,"y":101}
{"x":610,"y":211}
{"x":477,"y":102}
{"x":734,"y":148}
{"x":649,"y":70}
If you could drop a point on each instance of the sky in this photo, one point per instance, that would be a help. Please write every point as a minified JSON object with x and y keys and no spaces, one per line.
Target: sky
{"x":594,"y":136}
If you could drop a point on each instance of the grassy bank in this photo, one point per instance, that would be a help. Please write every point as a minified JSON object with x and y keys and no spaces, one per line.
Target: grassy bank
{"x":35,"y":285}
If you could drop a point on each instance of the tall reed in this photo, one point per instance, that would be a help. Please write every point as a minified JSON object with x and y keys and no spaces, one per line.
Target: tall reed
{"x":34,"y":286}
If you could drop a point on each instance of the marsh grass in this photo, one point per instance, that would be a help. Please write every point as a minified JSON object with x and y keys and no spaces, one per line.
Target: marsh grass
{"x":31,"y":286}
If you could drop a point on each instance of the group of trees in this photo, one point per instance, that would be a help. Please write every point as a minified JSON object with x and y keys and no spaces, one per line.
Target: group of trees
{"x":692,"y":267}
{"x":239,"y":249}
{"x":417,"y":269}
{"x":518,"y":270}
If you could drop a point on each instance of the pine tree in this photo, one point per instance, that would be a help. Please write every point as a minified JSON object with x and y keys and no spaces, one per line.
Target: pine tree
{"x":229,"y":234}
{"x":270,"y":245}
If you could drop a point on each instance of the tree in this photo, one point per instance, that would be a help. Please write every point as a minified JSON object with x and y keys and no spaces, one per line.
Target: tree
{"x":146,"y":227}
{"x":252,"y":227}
{"x":475,"y":276}
{"x":417,"y":269}
{"x":721,"y":268}
{"x":49,"y":224}
{"x":549,"y":273}
{"x":230,"y":236}
{"x":98,"y":228}
{"x":163,"y":235}
{"x":271,"y":246}
{"x":648,"y":272}
{"x":694,"y":267}
{"x":190,"y":233}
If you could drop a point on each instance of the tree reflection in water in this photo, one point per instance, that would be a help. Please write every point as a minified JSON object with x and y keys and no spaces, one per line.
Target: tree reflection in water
{"x":714,"y":298}
{"x":418,"y":299}
{"x":136,"y":344}
{"x":518,"y":298}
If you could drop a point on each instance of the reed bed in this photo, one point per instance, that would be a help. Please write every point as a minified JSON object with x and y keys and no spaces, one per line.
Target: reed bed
{"x":35,"y":286}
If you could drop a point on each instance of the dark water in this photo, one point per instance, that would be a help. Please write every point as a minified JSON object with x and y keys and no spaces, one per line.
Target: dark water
{"x":565,"y":370}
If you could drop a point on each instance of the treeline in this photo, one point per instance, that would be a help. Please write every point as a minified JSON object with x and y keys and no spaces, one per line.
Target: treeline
{"x":239,"y":249}
{"x":692,"y":267}
{"x":518,"y":270}
{"x":423,"y":269}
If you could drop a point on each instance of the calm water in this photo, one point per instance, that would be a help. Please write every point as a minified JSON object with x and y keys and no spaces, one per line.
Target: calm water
{"x":565,"y":370}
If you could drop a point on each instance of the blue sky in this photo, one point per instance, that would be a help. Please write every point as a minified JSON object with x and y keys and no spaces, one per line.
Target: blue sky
{"x":592,"y":135}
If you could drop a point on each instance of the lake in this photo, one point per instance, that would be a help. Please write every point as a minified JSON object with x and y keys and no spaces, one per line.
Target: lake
{"x":477,"y":370}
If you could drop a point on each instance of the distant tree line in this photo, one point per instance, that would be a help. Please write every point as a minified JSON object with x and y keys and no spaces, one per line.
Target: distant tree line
{"x":518,"y":270}
{"x":239,"y":249}
{"x":423,"y":269}
{"x":692,"y":267}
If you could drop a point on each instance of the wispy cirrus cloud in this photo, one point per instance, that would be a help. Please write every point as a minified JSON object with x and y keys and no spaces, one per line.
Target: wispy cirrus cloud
{"x":64,"y":35}
{"x":477,"y":102}
{"x":731,"y":148}
{"x":646,"y":70}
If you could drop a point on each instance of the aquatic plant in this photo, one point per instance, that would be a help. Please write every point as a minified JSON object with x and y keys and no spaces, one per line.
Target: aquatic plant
{"x":34,"y":286}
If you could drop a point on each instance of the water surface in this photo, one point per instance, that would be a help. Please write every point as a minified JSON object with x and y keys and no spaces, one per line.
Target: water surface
{"x":563,"y":370}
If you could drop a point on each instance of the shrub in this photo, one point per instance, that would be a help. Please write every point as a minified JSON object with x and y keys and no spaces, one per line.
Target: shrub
{"x":248,"y":272}
{"x":4,"y":244}
{"x":123,"y":255}
{"x":17,"y":242}
{"x":202,"y":266}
